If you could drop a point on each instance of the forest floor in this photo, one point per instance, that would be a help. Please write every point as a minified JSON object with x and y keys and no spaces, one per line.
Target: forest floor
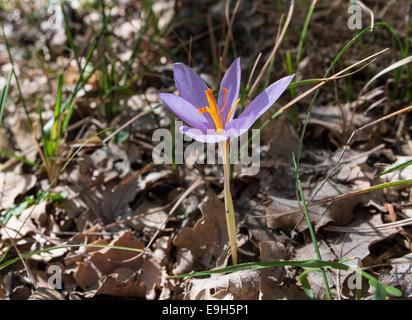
{"x":78,"y":179}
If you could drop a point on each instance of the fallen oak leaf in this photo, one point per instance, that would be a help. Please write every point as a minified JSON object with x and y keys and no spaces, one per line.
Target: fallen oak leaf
{"x":205,"y":243}
{"x":240,"y":285}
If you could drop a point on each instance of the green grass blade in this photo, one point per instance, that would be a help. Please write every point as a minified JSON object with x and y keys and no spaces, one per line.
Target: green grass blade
{"x":22,"y":159}
{"x":396,"y":168}
{"x":80,"y":82}
{"x":45,"y":138}
{"x":304,"y":31}
{"x":293,"y":113}
{"x":311,"y":231}
{"x":3,"y":97}
{"x":55,"y":135}
{"x":264,"y":265}
{"x":27,"y":255}
{"x":69,"y":36}
{"x":15,"y":76}
{"x":387,"y":185}
{"x":337,"y":58}
{"x":136,"y":47}
{"x":393,"y":291}
{"x":313,"y":266}
{"x":305,"y":282}
{"x":67,"y":118}
{"x":6,"y":252}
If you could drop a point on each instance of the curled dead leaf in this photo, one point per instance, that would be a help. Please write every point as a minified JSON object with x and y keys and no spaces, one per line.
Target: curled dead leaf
{"x":207,"y":241}
{"x":240,"y":285}
{"x":120,"y":273}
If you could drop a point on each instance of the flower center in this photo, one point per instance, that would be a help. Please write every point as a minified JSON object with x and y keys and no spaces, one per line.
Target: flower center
{"x":214,"y":112}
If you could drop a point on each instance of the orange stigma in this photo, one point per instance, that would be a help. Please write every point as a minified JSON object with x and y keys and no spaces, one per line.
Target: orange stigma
{"x":213,"y":110}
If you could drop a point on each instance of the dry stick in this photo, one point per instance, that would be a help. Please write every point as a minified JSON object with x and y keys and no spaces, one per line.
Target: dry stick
{"x":229,"y":22}
{"x":322,"y":202}
{"x":190,"y":51}
{"x":322,"y":82}
{"x":363,"y":154}
{"x":376,"y":228}
{"x":13,"y":242}
{"x":74,"y":233}
{"x":51,"y":184}
{"x":393,"y":66}
{"x":177,"y":204}
{"x":120,"y":222}
{"x":347,"y":161}
{"x":272,"y":55}
{"x":364,"y":7}
{"x":388,"y":5}
{"x":253,"y":70}
{"x":123,"y":221}
{"x":325,"y":80}
{"x":342,"y":111}
{"x":359,"y":156}
{"x":135,"y":175}
{"x":211,"y":36}
{"x":335,"y":76}
{"x":125,"y":125}
{"x":12,"y":161}
{"x":183,"y":44}
{"x":349,"y":141}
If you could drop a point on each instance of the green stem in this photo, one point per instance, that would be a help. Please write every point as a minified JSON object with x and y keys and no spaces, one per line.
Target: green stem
{"x":229,"y":209}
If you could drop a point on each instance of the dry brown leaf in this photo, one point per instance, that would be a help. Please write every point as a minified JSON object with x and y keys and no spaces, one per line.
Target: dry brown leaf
{"x":4,"y":142}
{"x":23,"y":136}
{"x":12,"y":184}
{"x":149,"y":218}
{"x":87,"y":276}
{"x":2,"y":291}
{"x":97,"y":178}
{"x":280,"y":127}
{"x":121,"y":283}
{"x":340,"y":212}
{"x":124,"y":282}
{"x":207,"y":241}
{"x":108,"y":259}
{"x":343,"y":246}
{"x":400,"y":275}
{"x":274,"y":283}
{"x":116,"y":272}
{"x":20,"y":293}
{"x":23,"y":221}
{"x":240,"y":285}
{"x":45,"y":293}
{"x":330,"y":117}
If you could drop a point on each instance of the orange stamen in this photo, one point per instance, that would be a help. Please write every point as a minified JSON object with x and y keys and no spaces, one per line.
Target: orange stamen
{"x":231,"y":110}
{"x":213,"y":111}
{"x":225,"y":91}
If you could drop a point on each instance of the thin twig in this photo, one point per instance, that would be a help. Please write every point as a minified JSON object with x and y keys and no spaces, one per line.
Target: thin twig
{"x":229,"y":22}
{"x":272,"y":55}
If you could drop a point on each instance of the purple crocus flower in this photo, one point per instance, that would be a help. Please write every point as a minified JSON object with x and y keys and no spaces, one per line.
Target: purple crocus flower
{"x":213,"y":122}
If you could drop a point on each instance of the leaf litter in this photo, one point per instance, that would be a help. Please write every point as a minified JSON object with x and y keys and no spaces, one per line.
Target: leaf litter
{"x":115,"y":196}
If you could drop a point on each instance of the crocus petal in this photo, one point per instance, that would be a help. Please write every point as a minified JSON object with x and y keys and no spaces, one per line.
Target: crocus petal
{"x":191,"y":87}
{"x":196,"y":134}
{"x":259,"y":105}
{"x":235,"y":129}
{"x":184,"y":110}
{"x":231,"y":82}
